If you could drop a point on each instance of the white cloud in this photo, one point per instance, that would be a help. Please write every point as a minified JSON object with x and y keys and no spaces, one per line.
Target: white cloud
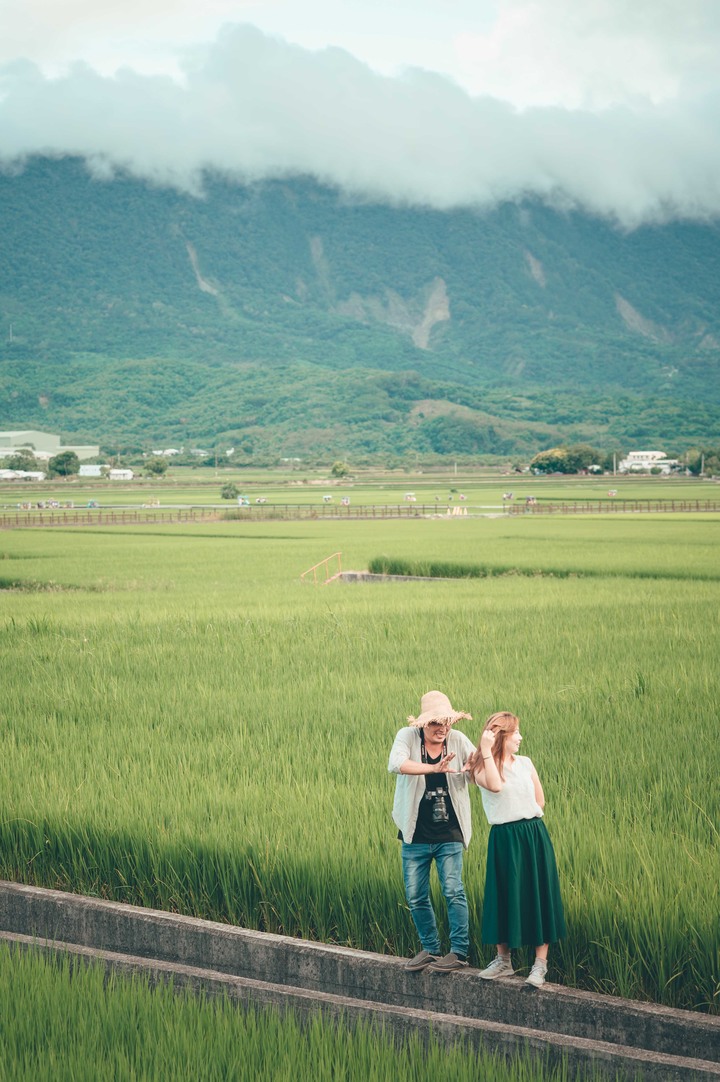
{"x":573,"y":53}
{"x":593,"y":53}
{"x":108,"y":34}
{"x":256,"y":106}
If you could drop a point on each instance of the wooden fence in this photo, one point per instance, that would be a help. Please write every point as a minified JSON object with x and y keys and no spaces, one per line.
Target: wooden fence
{"x":310,"y":512}
{"x":106,"y":517}
{"x":607,"y":507}
{"x":253,"y":512}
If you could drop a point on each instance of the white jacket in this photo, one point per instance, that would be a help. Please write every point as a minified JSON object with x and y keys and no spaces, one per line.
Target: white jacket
{"x":410,"y":788}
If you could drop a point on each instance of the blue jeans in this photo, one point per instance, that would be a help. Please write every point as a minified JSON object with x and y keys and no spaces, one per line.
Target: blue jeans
{"x":416,"y":862}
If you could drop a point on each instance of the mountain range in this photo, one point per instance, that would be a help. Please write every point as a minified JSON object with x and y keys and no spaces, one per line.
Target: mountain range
{"x":286,"y":317}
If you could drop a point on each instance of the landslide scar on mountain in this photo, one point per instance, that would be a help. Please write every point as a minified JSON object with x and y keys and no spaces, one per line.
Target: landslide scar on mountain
{"x":437,"y":310}
{"x":415,"y":317}
{"x":205,"y":286}
{"x":634,"y":321}
{"x":322,"y":268}
{"x":536,"y":269}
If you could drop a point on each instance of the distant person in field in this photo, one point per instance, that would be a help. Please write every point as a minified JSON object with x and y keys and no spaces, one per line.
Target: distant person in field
{"x":522,"y":905}
{"x":432,"y":813}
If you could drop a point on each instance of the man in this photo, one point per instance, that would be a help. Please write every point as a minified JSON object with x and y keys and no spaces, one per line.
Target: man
{"x":432,"y":813}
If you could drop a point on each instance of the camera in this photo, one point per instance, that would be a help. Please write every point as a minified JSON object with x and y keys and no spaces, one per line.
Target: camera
{"x":439,"y":810}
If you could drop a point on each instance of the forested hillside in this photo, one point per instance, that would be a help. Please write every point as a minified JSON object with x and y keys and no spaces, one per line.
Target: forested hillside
{"x":291,"y":319}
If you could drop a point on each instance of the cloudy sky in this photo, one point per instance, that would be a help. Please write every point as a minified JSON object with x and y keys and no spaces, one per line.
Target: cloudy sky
{"x":612,"y":105}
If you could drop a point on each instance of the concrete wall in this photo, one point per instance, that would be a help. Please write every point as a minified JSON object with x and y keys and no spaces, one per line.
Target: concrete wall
{"x":285,"y":968}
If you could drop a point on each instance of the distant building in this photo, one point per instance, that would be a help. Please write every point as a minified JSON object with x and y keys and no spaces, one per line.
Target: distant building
{"x":21,"y":475}
{"x":92,"y":469}
{"x":121,"y":475}
{"x":44,"y":445}
{"x":644,"y":461}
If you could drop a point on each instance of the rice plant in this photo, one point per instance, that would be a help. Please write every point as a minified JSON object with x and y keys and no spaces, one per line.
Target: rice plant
{"x":61,"y":1022}
{"x":186,"y":725}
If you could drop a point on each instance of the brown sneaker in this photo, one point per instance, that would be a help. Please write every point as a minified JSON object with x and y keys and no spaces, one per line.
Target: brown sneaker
{"x":420,"y":961}
{"x":448,"y":963}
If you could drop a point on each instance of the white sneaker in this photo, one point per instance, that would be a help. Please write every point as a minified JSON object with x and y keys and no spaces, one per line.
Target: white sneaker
{"x":501,"y":966}
{"x":537,"y":975}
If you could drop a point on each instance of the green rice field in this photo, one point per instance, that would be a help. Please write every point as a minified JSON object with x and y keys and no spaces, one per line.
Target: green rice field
{"x":186,"y":725}
{"x":482,"y":489}
{"x":65,"y":1024}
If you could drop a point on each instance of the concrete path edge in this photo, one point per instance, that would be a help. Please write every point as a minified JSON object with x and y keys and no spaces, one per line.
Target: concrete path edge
{"x":664,"y":1043}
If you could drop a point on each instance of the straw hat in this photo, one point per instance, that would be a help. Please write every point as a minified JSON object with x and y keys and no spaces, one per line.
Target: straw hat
{"x":435,"y":706}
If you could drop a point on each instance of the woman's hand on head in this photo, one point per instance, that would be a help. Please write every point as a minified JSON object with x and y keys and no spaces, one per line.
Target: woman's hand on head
{"x":487,"y":740}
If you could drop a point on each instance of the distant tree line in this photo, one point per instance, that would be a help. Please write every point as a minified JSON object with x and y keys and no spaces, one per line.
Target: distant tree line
{"x":581,"y":458}
{"x":576,"y":459}
{"x":64,"y":464}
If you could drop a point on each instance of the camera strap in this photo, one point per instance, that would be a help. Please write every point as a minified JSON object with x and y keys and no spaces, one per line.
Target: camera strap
{"x":423,"y":751}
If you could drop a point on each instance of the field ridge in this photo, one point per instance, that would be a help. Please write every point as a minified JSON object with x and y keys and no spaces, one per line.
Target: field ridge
{"x":585,"y":1028}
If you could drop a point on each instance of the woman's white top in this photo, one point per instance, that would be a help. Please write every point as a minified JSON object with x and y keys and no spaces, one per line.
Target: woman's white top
{"x":516,"y":800}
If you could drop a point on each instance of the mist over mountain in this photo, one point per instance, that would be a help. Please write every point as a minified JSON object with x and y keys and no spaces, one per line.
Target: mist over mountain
{"x":295,"y":318}
{"x":641,"y":145}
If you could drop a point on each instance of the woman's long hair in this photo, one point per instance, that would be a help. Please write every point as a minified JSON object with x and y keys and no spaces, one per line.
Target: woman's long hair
{"x":502,"y":724}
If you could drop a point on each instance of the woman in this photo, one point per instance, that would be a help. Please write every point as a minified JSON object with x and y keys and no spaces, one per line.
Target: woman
{"x":522,"y":905}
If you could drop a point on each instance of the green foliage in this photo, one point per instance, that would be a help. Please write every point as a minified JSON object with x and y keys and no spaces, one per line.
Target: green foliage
{"x":580,"y":457}
{"x":442,"y":569}
{"x":229,"y":491}
{"x":65,"y":464}
{"x":135,"y":687}
{"x":156,"y":466}
{"x":705,"y":460}
{"x":340,"y":469}
{"x":553,"y":461}
{"x":568,"y":459}
{"x":67,"y":1021}
{"x":305,"y":350}
{"x":22,"y":460}
{"x":452,"y":435}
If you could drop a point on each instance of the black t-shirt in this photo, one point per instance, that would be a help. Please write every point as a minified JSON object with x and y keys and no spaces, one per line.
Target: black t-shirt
{"x":436,"y":821}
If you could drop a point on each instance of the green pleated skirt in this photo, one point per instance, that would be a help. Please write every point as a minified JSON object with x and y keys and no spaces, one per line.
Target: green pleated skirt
{"x":522,"y":905}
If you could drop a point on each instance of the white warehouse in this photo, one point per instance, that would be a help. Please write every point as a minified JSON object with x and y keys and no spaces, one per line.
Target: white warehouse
{"x":644,"y":461}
